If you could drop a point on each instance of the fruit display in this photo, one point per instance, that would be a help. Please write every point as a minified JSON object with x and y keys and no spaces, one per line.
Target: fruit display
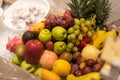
{"x":67,"y":46}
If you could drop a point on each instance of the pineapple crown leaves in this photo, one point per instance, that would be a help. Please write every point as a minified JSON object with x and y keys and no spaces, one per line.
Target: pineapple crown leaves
{"x":102,"y":10}
{"x":86,"y":8}
{"x":81,"y":8}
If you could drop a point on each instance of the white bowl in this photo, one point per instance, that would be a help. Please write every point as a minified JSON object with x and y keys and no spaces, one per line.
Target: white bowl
{"x":1,"y":14}
{"x":43,"y":5}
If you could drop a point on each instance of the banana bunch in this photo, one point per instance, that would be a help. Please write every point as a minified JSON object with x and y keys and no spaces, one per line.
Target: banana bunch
{"x":100,"y":36}
{"x":89,"y":76}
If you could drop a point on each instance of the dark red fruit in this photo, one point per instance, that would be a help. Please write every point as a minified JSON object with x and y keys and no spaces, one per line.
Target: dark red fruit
{"x":64,"y":24}
{"x":49,"y":45}
{"x":86,"y":70}
{"x":84,"y":42}
{"x":96,"y":68}
{"x":90,"y":62}
{"x":68,"y":13}
{"x":78,"y":73}
{"x":33,"y":51}
{"x":28,"y":35}
{"x":70,"y":21}
{"x":87,"y":39}
{"x":79,"y":60}
{"x":53,"y":17}
{"x":74,"y":68}
{"x":76,"y":55}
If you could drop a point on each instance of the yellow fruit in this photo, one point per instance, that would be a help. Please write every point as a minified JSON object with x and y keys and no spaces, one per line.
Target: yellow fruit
{"x":90,"y":52}
{"x":111,"y":33}
{"x":38,"y":27}
{"x":61,"y":67}
{"x":45,"y":74}
{"x":89,"y":76}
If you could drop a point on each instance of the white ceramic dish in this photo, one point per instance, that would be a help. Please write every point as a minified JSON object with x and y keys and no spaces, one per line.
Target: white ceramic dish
{"x":8,"y":15}
{"x":1,"y":15}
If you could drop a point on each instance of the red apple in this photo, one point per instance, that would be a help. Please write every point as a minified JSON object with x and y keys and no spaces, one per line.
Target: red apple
{"x":33,"y":51}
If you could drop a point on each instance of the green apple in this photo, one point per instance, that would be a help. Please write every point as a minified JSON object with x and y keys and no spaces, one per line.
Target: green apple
{"x":17,"y":60}
{"x":38,"y":72}
{"x":59,"y":33}
{"x":59,"y":47}
{"x":28,"y":67}
{"x":45,"y":35}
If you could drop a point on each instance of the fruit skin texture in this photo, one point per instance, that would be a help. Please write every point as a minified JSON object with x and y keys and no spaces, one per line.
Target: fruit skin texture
{"x":17,"y":60}
{"x":38,"y":27}
{"x":59,"y":47}
{"x":28,"y":35}
{"x":61,"y":67}
{"x":45,"y":35}
{"x":13,"y":43}
{"x":47,"y":59}
{"x":20,"y":50}
{"x":90,"y":52}
{"x":28,"y":67}
{"x":67,"y":56}
{"x":89,"y":76}
{"x":59,"y":33}
{"x":49,"y":45}
{"x":33,"y":51}
{"x":46,"y":74}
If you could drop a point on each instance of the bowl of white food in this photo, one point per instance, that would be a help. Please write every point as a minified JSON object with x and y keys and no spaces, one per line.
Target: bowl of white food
{"x":24,"y":12}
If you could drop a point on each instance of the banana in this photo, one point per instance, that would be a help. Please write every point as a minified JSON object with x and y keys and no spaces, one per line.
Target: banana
{"x":100,"y":37}
{"x":89,"y":76}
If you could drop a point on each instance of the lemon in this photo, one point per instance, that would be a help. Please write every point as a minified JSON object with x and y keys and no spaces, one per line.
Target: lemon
{"x":61,"y":67}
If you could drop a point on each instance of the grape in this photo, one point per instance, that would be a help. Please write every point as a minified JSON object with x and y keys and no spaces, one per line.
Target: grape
{"x":82,"y":20}
{"x":52,"y":22}
{"x":86,"y":70}
{"x":64,"y":23}
{"x":77,"y":42}
{"x":96,"y":68}
{"x":77,"y":21}
{"x":76,"y":27}
{"x":68,"y":49}
{"x":83,"y":25}
{"x":74,"y":68}
{"x":77,"y":32}
{"x":70,"y":45}
{"x":69,"y":37}
{"x":90,"y":33}
{"x":87,"y":23}
{"x":72,"y":36}
{"x":75,"y":49}
{"x":71,"y":30}
{"x":84,"y":29}
{"x":90,"y":62}
{"x":76,"y":55}
{"x":70,"y":21}
{"x":79,"y":60}
{"x":78,"y":73}
{"x":52,"y":17}
{"x":80,"y":36}
{"x":73,"y":40}
{"x":59,"y":19}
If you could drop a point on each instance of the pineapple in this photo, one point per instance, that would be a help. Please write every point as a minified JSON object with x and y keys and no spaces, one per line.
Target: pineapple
{"x":87,"y":8}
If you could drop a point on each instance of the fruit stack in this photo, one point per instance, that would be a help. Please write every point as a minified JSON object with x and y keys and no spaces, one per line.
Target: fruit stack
{"x":67,"y":46}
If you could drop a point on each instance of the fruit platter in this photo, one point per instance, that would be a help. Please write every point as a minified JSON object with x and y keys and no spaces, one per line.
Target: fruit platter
{"x":65,"y":46}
